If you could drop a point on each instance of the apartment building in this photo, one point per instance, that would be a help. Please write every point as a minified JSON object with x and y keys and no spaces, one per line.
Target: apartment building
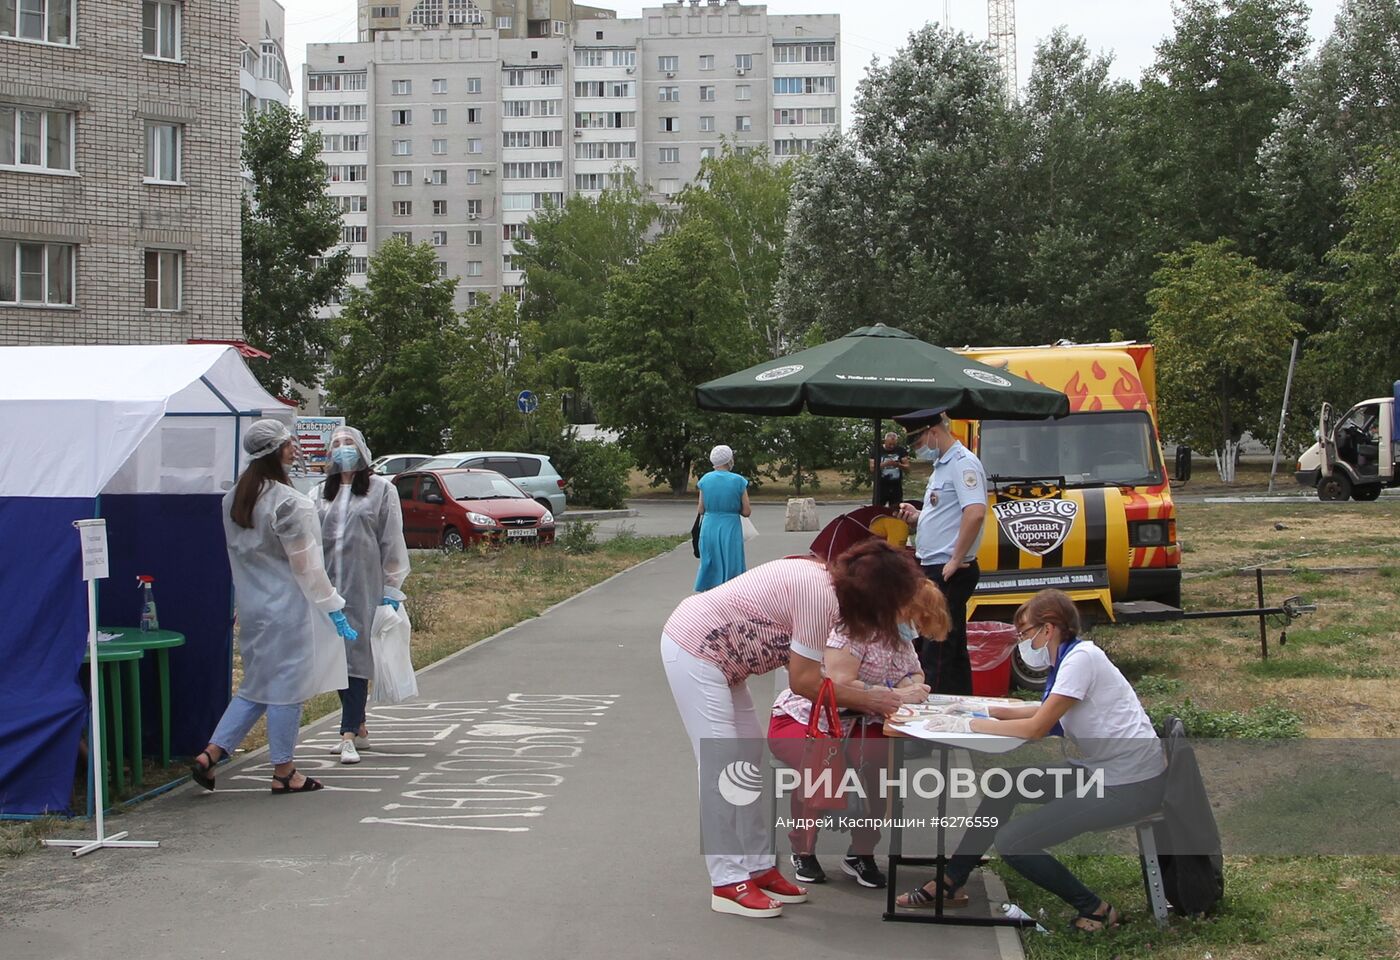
{"x":119,"y":181}
{"x":262,"y":39}
{"x":445,"y":124}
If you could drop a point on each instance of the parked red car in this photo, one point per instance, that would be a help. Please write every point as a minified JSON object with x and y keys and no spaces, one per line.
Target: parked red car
{"x":452,"y":508}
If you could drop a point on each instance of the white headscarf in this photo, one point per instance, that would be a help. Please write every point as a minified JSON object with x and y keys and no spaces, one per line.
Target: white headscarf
{"x":721,"y":455}
{"x":265,"y":437}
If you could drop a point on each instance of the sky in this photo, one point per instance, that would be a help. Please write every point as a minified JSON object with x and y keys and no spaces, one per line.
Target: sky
{"x":1128,"y":29}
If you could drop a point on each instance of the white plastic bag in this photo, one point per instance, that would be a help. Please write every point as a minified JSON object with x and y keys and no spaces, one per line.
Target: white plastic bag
{"x":750,"y":531}
{"x":394,"y":681}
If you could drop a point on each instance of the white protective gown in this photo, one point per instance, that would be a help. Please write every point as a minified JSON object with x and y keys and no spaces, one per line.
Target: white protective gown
{"x":290,"y":647}
{"x":366,"y":557}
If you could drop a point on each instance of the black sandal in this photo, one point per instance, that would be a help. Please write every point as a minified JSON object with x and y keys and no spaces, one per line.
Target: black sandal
{"x":204,"y":776}
{"x":920,"y":899}
{"x":1108,"y":920}
{"x":307,"y":787}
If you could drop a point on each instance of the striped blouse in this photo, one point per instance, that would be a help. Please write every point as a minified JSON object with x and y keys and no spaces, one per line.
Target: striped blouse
{"x":747,"y":626}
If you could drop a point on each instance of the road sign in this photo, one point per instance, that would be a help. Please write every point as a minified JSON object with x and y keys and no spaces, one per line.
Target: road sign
{"x":527,"y":402}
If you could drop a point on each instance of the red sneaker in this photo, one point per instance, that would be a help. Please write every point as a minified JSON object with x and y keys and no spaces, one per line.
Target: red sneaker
{"x":744,"y":900}
{"x":779,"y":887}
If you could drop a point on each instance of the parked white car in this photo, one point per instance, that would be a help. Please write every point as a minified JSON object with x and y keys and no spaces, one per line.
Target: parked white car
{"x":393,"y":464}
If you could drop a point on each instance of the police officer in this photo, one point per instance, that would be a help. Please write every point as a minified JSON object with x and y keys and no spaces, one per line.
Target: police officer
{"x":949,"y":535}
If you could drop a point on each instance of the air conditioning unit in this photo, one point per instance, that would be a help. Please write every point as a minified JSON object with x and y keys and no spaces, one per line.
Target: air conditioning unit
{"x":427,"y":179}
{"x":578,"y":133}
{"x":631,"y":69}
{"x":670,"y":75}
{"x":741,"y":72}
{"x":472,"y":216}
{"x":487,"y":172}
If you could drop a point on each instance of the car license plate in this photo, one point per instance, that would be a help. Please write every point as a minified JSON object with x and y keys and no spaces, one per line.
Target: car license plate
{"x":522,"y":534}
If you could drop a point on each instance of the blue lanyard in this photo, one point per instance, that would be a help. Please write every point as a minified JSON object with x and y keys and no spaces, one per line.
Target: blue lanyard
{"x":1058,"y":730}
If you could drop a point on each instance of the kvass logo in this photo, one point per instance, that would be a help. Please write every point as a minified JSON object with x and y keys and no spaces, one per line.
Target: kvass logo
{"x":1036,"y":526}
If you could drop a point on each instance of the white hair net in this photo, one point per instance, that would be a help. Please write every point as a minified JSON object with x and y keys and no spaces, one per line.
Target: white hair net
{"x":721,"y":455}
{"x":342,"y":437}
{"x":265,"y":437}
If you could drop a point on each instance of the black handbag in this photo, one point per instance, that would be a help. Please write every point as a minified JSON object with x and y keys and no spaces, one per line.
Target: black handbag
{"x":695,"y":537}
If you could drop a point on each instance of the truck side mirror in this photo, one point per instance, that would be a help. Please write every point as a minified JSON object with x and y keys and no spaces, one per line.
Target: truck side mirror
{"x":1182,"y":473}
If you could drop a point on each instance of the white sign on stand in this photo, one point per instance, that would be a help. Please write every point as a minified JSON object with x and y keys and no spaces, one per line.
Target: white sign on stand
{"x":93,"y":537}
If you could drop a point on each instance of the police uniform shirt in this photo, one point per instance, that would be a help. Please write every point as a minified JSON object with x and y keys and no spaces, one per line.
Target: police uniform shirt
{"x":958,"y":482}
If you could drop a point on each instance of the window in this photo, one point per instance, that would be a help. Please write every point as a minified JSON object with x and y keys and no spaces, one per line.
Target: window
{"x":707,"y":61}
{"x":346,"y":172}
{"x":584,"y":57}
{"x":742,"y":91}
{"x":36,"y":274}
{"x":668,"y":64}
{"x":384,"y":13}
{"x":670,"y":124}
{"x":403,"y":148}
{"x":707,"y":124}
{"x":403,"y":178}
{"x":547,"y":108}
{"x":402,"y":88}
{"x":503,"y":23}
{"x":790,"y":85}
{"x":670,"y":155}
{"x":517,"y":108}
{"x":707,"y":94}
{"x":440,"y":86}
{"x":405,"y":235}
{"x":473,"y":268}
{"x":508,"y":262}
{"x":439,"y":238}
{"x":516,"y":231}
{"x":668,"y":94}
{"x":624,"y":58}
{"x":473,"y":174}
{"x":821,"y":114}
{"x":359,"y":265}
{"x":439,"y":208}
{"x":473,"y":115}
{"x":354,"y":234}
{"x":318,"y":82}
{"x":160,"y":27}
{"x":473,"y":238}
{"x":441,"y":267}
{"x":743,"y":61}
{"x":354,"y":112}
{"x":707,"y":153}
{"x":353,"y":81}
{"x":668,"y":188}
{"x":402,"y":208}
{"x":35,"y":139}
{"x":610,"y":150}
{"x":605,"y":120}
{"x":559,"y":28}
{"x":164,"y":269}
{"x":536,"y":170}
{"x":743,"y":124}
{"x":438,"y":178}
{"x":47,"y":21}
{"x":439,"y":115}
{"x":793,"y":148}
{"x":473,"y":84}
{"x":323,"y":112}
{"x":439,"y":147}
{"x":464,"y":11}
{"x":473,"y":209}
{"x":597,"y":181}
{"x":400,"y":118}
{"x":548,"y":78}
{"x":163,"y":152}
{"x":804,"y":53}
{"x":474,"y":145}
{"x":352,"y":204}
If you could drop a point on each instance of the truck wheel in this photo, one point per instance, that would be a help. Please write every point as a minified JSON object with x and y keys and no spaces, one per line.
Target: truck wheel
{"x":1334,"y":488}
{"x":1366,"y":494}
{"x":1023,"y":676}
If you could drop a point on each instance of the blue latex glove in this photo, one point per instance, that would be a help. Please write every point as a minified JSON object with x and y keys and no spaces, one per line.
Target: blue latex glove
{"x":342,"y":627}
{"x":389,"y":602}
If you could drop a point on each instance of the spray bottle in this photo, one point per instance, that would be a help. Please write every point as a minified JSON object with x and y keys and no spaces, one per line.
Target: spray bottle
{"x":148,"y":603}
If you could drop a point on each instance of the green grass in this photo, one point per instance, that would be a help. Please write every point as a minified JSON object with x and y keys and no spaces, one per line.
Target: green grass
{"x":1283,"y":667}
{"x":1266,"y":722}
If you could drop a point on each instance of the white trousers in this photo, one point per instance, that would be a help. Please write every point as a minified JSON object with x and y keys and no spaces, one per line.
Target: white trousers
{"x":711,"y":709}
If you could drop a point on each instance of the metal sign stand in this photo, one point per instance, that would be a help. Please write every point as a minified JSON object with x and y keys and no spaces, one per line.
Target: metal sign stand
{"x":94,"y":540}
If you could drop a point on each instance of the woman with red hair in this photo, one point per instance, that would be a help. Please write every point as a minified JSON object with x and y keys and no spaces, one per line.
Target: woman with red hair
{"x":871,"y":647}
{"x":746,"y":627}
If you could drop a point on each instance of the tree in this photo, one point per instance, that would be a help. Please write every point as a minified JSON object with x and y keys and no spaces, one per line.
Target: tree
{"x":670,"y":323}
{"x":394,"y":347}
{"x":795,"y":448}
{"x":570,"y":254}
{"x":1363,"y":347}
{"x":288,"y":224}
{"x":1223,"y":328}
{"x":744,"y":197}
{"x":907,"y":220}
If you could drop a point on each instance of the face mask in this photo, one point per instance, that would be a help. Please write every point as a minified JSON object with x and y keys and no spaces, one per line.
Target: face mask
{"x":346,"y":458}
{"x":1036,"y":659}
{"x":926,"y":453}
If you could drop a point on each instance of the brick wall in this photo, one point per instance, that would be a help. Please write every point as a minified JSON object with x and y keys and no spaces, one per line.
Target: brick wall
{"x":106,"y":209}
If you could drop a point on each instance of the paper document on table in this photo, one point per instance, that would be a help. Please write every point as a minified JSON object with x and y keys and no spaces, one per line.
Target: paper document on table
{"x":911,"y":720}
{"x":104,"y":637}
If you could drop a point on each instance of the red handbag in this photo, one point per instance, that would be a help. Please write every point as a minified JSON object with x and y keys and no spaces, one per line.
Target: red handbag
{"x":824,"y":756}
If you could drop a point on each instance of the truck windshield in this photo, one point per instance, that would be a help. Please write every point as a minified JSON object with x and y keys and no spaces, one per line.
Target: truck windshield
{"x":1085,"y":448}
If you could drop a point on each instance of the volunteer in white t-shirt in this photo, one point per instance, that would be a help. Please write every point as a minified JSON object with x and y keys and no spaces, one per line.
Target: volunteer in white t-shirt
{"x":1091,"y":703}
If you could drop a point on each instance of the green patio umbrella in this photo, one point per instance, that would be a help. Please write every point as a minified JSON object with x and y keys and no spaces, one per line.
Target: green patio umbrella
{"x":876,"y":372}
{"x":880,"y":372}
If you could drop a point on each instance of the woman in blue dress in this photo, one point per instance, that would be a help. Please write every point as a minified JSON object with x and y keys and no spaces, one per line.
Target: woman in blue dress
{"x":724,"y":498}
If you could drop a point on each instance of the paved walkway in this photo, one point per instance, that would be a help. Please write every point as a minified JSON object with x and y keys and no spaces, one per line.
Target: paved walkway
{"x":537,"y":801}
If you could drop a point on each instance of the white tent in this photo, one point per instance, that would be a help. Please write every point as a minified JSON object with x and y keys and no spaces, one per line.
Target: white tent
{"x":81,"y":421}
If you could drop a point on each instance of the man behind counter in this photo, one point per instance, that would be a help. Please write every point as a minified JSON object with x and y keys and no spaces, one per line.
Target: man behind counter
{"x":948,"y":537}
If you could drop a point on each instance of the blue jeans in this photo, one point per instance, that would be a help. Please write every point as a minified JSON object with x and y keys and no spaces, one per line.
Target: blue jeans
{"x":283,"y":722}
{"x":1023,"y":842}
{"x":352,"y":705}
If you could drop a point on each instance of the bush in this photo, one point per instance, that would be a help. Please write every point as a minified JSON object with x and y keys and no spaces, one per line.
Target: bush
{"x":595,"y":471}
{"x":1267,"y":722}
{"x":577,"y":537}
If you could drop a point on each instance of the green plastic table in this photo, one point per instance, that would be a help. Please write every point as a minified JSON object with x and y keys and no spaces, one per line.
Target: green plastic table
{"x":114,"y":743}
{"x":160,"y":642}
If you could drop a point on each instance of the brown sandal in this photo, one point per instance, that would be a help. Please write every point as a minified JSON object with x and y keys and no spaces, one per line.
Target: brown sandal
{"x":1096,"y":922}
{"x":307,"y":787}
{"x":920,"y":899}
